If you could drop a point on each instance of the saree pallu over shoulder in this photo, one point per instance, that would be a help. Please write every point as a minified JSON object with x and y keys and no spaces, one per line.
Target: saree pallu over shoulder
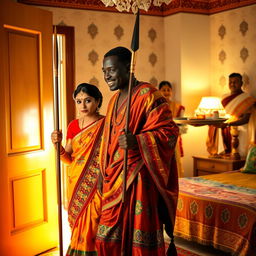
{"x":85,"y":169}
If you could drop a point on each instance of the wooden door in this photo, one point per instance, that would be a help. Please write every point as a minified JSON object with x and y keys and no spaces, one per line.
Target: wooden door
{"x":28,"y":215}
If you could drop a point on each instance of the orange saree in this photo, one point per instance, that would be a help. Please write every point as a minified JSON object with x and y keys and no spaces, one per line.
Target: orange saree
{"x":136,"y":227}
{"x":84,"y":198}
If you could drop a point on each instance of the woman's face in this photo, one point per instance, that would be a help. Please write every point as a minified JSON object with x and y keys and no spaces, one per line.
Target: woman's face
{"x":166,"y":91}
{"x":86,"y":105}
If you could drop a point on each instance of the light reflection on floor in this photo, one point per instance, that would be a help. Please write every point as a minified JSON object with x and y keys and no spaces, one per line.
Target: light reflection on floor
{"x":66,"y":236}
{"x":66,"y":230}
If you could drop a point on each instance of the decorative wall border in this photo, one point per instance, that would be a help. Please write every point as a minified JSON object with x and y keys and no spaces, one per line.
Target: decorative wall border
{"x":189,"y":6}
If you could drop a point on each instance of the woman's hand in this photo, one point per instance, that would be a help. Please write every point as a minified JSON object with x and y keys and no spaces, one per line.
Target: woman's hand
{"x":56,"y":137}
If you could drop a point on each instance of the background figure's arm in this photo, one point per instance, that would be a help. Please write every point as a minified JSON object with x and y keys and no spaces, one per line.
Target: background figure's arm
{"x":244,"y":119}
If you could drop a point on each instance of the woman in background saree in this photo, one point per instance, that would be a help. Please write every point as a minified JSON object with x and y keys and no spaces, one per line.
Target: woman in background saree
{"x":178,"y":110}
{"x":81,"y":153}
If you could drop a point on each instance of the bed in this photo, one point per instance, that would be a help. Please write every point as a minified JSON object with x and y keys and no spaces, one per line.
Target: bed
{"x":219,"y":210}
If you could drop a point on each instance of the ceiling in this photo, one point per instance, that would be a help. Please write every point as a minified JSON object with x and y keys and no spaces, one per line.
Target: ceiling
{"x":189,"y":6}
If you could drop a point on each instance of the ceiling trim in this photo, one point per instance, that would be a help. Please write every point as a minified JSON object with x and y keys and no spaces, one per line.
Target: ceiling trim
{"x":176,"y":6}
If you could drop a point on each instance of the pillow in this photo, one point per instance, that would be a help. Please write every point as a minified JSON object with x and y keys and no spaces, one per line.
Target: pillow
{"x":250,"y":163}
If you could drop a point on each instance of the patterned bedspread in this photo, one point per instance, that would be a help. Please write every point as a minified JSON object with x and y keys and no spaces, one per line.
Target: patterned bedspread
{"x":219,"y":210}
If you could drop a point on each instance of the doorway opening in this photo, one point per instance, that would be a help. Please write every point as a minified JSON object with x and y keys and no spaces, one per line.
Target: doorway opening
{"x":65,"y":42}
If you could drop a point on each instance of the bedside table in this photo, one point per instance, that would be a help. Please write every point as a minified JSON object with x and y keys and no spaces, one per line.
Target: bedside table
{"x":206,"y":165}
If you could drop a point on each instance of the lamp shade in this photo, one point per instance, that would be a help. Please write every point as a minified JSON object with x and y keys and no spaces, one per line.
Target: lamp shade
{"x":210,"y":105}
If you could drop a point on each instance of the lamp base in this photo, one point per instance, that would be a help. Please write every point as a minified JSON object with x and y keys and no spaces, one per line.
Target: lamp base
{"x":224,"y":155}
{"x":215,"y":156}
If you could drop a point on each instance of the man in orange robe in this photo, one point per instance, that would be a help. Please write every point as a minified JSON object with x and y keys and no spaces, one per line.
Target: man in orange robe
{"x":136,"y":226}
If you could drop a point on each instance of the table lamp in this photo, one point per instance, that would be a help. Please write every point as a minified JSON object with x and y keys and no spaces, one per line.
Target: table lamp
{"x":211,"y":108}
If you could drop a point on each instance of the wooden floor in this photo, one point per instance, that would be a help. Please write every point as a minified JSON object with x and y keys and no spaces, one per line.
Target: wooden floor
{"x":193,"y":247}
{"x":66,"y":237}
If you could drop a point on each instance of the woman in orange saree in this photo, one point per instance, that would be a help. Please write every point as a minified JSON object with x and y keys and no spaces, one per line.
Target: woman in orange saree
{"x":81,"y":153}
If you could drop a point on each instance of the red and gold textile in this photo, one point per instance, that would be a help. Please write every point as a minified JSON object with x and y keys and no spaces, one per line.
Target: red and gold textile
{"x":152,"y":186}
{"x":84,"y":199}
{"x":219,"y":210}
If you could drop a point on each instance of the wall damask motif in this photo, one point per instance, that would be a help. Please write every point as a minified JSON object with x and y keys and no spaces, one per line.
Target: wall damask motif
{"x":243,"y":27}
{"x":152,"y":59}
{"x":93,"y":57}
{"x":118,"y":32}
{"x":152,"y":35}
{"x":94,"y":81}
{"x":246,"y":81}
{"x":92,"y":30}
{"x":244,"y":54}
{"x":222,"y":81}
{"x":222,"y":56}
{"x":222,"y":32}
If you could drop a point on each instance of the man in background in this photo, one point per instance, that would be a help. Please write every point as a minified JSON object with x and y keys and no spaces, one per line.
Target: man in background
{"x":240,"y":106}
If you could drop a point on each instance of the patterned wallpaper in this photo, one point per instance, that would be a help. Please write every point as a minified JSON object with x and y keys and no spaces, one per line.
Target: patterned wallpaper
{"x":233,"y":38}
{"x":232,"y":49}
{"x":97,"y":32}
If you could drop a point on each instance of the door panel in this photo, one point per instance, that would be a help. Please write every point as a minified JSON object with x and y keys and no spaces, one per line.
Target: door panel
{"x":24,"y":47}
{"x":28,"y":216}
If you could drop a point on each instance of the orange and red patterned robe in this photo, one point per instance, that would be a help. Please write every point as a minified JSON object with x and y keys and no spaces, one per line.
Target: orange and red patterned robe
{"x":136,"y":227}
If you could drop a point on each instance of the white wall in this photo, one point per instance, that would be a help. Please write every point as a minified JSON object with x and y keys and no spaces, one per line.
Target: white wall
{"x":187,"y":48}
{"x":172,"y":43}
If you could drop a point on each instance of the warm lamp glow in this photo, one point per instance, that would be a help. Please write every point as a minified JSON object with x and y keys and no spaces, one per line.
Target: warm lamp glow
{"x":210,"y":105}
